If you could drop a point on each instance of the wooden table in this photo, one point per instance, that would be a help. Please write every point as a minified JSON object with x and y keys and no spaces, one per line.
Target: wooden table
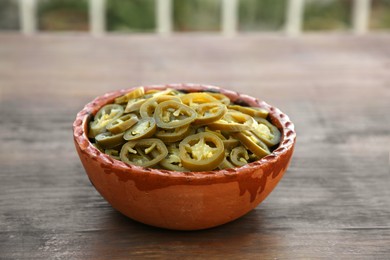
{"x":334,"y":201}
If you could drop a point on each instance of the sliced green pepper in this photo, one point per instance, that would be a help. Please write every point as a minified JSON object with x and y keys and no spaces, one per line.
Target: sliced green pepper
{"x":134,"y":104}
{"x":172,"y":161}
{"x":233,"y":121}
{"x":103,"y":117}
{"x":239,"y":156}
{"x":122,"y":123}
{"x":145,"y":128}
{"x":209,"y":112}
{"x":225,"y":164}
{"x":201,"y":152}
{"x":136,"y":93}
{"x":216,"y":132}
{"x":252,"y":111}
{"x":155,"y":92}
{"x":230,"y":143}
{"x":152,"y":92}
{"x":253,"y":143}
{"x":171,"y":114}
{"x":267,"y":132}
{"x":173,"y":135}
{"x":221,"y":98}
{"x":147,"y":109}
{"x":194,"y":99}
{"x":144,"y":152}
{"x":108,"y":140}
{"x":113,"y":153}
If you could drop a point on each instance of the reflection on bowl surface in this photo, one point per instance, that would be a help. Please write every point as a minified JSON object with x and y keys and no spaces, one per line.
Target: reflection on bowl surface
{"x":184,"y":200}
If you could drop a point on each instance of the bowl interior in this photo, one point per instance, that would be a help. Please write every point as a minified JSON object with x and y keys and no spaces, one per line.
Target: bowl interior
{"x":277,"y":118}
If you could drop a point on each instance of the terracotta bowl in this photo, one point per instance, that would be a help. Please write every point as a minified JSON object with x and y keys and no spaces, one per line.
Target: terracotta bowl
{"x":184,"y":200}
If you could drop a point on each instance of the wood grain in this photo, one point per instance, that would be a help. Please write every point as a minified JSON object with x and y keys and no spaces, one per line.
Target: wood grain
{"x":334,"y":201}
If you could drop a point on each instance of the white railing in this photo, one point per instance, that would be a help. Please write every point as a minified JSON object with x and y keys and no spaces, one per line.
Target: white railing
{"x":229,"y":21}
{"x":229,"y":17}
{"x":294,"y":17}
{"x":27,"y":16}
{"x":164,"y":16}
{"x":97,"y":17}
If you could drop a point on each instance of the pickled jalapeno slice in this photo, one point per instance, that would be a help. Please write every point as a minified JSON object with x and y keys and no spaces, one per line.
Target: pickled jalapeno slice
{"x":108,"y":140}
{"x":197,"y":98}
{"x":221,"y":98}
{"x":145,"y":128}
{"x":136,"y":93}
{"x":216,"y":132}
{"x":267,"y":132}
{"x":239,"y":156}
{"x":173,"y":135}
{"x":134,"y":104}
{"x":253,"y":143}
{"x":171,"y":114}
{"x":152,"y":91}
{"x":233,"y":122}
{"x":225,"y":164}
{"x":155,"y":92}
{"x":252,"y":111}
{"x":209,"y":112}
{"x":230,"y":143}
{"x":103,"y":117}
{"x":112,"y":153}
{"x":201,"y":152}
{"x":172,"y":161}
{"x":122,"y":123}
{"x":144,"y":152}
{"x":148,"y":108}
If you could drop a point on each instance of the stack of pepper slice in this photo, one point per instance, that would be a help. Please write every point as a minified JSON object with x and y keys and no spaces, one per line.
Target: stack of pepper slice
{"x":173,"y":130}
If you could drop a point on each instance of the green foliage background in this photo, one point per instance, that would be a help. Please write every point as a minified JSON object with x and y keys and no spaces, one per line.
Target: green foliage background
{"x":194,"y":15}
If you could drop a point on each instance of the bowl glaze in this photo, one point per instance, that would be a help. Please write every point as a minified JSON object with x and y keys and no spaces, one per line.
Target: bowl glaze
{"x":184,"y":200}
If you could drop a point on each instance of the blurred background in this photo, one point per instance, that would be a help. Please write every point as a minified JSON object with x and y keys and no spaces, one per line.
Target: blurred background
{"x":192,"y":15}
